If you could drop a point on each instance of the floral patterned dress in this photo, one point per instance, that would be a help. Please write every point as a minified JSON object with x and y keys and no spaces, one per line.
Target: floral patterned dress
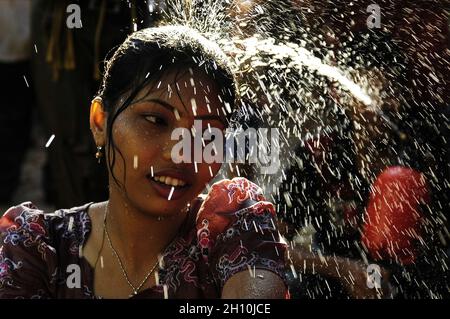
{"x":231,"y":230}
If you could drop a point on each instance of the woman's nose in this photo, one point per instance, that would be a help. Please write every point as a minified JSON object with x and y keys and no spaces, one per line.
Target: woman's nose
{"x":167,"y":151}
{"x":174,"y":149}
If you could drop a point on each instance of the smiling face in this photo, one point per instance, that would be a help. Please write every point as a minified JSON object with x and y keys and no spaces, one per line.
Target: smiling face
{"x":142,"y":137}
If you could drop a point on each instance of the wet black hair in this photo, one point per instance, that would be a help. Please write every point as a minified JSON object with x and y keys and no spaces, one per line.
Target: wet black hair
{"x":145,"y":56}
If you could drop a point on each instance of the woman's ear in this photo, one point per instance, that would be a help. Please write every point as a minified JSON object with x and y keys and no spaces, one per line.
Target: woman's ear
{"x":97,"y":121}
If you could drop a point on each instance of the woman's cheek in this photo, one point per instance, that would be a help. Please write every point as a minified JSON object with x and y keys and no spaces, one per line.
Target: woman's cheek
{"x":206,"y":172}
{"x":215,"y":167}
{"x":149,"y":140}
{"x":127,"y":143}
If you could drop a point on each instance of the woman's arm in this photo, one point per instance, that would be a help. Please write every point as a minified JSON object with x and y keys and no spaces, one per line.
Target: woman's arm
{"x":264,"y":285}
{"x":237,"y":235}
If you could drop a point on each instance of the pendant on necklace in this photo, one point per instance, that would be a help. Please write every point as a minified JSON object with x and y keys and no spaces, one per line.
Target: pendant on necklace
{"x":134,"y":293}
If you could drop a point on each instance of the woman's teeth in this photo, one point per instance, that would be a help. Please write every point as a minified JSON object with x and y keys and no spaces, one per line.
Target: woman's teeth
{"x":171,"y":181}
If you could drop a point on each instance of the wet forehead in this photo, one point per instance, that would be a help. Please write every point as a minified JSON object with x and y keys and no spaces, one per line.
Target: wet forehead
{"x":190,"y":91}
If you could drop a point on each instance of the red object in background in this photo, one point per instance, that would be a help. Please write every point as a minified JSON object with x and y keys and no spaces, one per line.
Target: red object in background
{"x":393,"y":219}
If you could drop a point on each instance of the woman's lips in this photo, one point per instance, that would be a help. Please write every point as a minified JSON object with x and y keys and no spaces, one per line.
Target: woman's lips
{"x":165,"y":190}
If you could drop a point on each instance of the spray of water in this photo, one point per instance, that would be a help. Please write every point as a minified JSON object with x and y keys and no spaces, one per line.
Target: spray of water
{"x":289,"y":77}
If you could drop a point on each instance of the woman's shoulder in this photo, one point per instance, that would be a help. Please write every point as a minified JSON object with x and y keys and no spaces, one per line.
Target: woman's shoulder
{"x":232,"y":195}
{"x":26,"y":222}
{"x":231,"y":205}
{"x":226,"y":201}
{"x":236,"y":229}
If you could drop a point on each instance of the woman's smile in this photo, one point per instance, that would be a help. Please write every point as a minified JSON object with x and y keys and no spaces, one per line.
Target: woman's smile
{"x":171,"y":184}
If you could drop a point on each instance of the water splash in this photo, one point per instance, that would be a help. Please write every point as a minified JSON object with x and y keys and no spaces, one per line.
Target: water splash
{"x":292,"y":54}
{"x":290,"y":77}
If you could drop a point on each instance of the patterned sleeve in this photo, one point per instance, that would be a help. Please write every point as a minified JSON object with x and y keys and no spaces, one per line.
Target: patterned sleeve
{"x":25,"y":257}
{"x":236,"y":231}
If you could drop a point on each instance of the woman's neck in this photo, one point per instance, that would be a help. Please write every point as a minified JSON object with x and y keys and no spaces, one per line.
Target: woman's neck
{"x":139,"y":237}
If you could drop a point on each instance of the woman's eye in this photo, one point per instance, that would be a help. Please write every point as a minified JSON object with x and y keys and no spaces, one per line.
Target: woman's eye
{"x":155,"y":119}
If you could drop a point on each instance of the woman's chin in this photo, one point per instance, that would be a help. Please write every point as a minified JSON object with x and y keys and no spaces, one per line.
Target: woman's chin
{"x":161,"y":207}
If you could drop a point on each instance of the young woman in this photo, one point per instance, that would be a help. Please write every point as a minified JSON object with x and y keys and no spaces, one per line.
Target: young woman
{"x":155,"y":237}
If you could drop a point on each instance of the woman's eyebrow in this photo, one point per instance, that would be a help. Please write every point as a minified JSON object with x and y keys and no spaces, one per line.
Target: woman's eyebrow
{"x":172,"y":109}
{"x":168,"y":106}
